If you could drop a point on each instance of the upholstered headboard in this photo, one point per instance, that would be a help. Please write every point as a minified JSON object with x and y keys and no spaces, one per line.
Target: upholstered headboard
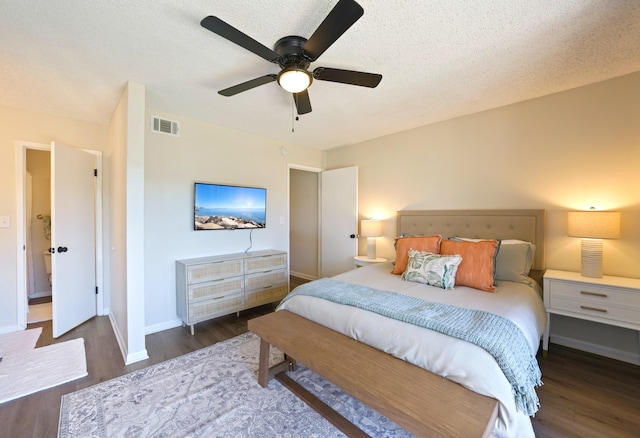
{"x":526,"y":225}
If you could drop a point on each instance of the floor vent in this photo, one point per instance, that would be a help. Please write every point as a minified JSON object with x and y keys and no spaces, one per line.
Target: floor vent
{"x":165,"y":126}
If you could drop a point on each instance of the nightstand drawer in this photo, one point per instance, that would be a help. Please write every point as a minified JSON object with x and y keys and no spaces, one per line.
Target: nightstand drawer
{"x":594,"y":294}
{"x":600,"y":310}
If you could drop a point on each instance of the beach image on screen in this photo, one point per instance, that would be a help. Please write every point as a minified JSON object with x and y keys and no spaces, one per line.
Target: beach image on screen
{"x":222,"y":207}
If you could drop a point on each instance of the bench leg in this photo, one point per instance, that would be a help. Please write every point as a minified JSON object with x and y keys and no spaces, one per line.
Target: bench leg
{"x":263,"y":367}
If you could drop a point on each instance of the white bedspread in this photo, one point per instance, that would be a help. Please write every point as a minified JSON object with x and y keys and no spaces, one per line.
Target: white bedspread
{"x":458,"y":360}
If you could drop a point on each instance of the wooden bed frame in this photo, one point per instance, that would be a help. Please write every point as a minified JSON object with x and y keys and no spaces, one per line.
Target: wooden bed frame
{"x":340,"y":359}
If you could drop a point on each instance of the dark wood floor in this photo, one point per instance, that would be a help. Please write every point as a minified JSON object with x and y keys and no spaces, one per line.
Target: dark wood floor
{"x":584,"y":395}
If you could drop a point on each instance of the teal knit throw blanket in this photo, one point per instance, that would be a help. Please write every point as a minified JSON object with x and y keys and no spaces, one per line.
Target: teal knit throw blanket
{"x":497,"y":335}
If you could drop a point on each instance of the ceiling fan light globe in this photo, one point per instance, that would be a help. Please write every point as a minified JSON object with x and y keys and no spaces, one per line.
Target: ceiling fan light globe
{"x":294,"y":80}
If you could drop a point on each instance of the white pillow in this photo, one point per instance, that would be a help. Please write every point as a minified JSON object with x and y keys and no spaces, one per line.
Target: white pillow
{"x":432,"y":269}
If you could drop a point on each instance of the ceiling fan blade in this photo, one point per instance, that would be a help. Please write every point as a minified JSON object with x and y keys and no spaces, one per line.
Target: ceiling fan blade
{"x":362,"y":79}
{"x":253,"y":83}
{"x":341,"y":18}
{"x":303,"y":104}
{"x":225,"y":30}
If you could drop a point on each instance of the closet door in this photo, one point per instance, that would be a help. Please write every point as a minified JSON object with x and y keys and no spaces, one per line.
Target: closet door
{"x":72,"y":237}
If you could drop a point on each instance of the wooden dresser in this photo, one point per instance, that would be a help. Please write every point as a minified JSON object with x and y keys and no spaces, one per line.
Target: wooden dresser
{"x":208,"y":287}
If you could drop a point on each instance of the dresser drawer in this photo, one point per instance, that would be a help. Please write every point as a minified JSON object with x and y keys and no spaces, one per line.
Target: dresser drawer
{"x":604,"y":295}
{"x":261,"y":280}
{"x":214,"y":270}
{"x":215,"y":288}
{"x":265,"y":263}
{"x":267,"y":295}
{"x":221,"y":305}
{"x":601,"y":310}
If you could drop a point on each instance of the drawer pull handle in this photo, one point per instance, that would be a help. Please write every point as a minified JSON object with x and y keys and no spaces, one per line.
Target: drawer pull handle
{"x":594,"y":309}
{"x":595,"y":294}
{"x":218,"y":298}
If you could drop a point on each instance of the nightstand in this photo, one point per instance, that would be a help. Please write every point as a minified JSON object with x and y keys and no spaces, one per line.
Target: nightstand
{"x":607,"y":300}
{"x":364,"y":261}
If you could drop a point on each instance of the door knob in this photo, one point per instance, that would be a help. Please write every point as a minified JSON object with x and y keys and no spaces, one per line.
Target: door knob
{"x":352,"y":236}
{"x":62,"y":249}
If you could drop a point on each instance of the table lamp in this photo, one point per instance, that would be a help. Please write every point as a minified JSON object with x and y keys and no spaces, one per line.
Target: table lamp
{"x":593,"y":226}
{"x":371,"y":228}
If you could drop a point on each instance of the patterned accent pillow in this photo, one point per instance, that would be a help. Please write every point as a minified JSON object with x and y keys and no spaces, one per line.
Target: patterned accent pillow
{"x":432,"y":269}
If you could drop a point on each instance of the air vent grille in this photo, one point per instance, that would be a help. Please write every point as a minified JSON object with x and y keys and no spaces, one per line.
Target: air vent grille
{"x":165,"y":126}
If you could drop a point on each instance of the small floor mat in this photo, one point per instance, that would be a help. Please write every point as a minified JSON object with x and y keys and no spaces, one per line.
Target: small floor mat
{"x":31,"y":371}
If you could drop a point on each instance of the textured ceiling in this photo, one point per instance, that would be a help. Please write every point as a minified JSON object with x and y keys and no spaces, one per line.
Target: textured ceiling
{"x":439,"y":59}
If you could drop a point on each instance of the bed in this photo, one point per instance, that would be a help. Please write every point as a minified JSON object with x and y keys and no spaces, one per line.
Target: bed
{"x":513,"y":295}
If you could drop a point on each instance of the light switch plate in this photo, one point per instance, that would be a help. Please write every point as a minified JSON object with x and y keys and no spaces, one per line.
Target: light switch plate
{"x":4,"y":222}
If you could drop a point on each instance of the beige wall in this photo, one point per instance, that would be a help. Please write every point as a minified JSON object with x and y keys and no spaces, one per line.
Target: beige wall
{"x":21,"y":125}
{"x":570,"y":150}
{"x":206,"y":153}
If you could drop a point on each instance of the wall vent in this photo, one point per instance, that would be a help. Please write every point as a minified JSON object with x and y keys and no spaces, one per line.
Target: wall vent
{"x":165,"y":126}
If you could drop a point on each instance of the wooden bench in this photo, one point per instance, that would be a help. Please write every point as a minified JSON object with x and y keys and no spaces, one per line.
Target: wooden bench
{"x":422,"y":402}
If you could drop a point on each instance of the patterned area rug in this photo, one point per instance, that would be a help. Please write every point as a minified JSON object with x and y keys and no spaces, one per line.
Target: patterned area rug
{"x":211,"y":392}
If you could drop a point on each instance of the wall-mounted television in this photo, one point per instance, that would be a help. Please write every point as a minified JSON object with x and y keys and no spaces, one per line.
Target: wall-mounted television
{"x":226,"y":207}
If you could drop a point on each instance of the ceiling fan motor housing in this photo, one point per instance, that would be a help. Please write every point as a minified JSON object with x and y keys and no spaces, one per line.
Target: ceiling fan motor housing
{"x":291,"y":54}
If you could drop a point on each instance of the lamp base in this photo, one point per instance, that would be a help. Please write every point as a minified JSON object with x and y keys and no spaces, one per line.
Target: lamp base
{"x":371,"y":247}
{"x":591,"y":254}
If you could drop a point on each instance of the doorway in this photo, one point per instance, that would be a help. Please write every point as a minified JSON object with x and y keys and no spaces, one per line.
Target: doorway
{"x":38,"y":235}
{"x":323,"y":213}
{"x":31,"y":264}
{"x":304,"y":189}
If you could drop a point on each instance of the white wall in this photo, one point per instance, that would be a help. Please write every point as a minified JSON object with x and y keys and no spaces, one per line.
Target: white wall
{"x":206,"y":153}
{"x":569,"y":150}
{"x":28,"y":126}
{"x":126,"y":199}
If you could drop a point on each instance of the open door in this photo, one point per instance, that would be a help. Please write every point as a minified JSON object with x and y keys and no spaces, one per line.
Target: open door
{"x":339,"y":220}
{"x":72,"y":237}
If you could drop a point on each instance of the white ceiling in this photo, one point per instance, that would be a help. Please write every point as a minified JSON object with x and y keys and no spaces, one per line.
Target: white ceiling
{"x":439,"y":59}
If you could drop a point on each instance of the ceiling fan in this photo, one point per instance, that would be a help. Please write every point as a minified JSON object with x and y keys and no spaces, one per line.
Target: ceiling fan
{"x":294,"y":54}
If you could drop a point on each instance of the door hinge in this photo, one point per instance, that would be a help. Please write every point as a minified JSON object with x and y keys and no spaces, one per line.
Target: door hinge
{"x":96,"y":290}
{"x":95,"y":172}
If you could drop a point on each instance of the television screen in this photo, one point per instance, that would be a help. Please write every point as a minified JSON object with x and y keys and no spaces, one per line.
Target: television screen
{"x":223,"y":207}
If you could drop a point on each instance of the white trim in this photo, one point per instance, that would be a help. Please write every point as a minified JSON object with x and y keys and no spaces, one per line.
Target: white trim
{"x":21,"y":153}
{"x":163,"y":326}
{"x":600,"y":350}
{"x":128,"y":358}
{"x":303,"y":276}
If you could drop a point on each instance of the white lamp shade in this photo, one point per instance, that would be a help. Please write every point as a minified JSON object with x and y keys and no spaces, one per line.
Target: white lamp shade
{"x":294,"y":80}
{"x":370,"y":228}
{"x":594,"y":224}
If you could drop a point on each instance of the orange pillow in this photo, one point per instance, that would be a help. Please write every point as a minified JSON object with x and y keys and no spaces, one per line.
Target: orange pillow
{"x":419,"y":243}
{"x":478,"y":267}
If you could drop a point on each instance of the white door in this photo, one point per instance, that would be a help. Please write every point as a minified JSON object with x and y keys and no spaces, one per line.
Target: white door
{"x":72,"y":237}
{"x":339,"y":220}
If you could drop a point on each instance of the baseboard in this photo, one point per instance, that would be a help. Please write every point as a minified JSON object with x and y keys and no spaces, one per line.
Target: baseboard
{"x":162,"y":326}
{"x":119,"y":339}
{"x":303,"y":276}
{"x":137,"y":357}
{"x":40,"y":294}
{"x":600,"y":350}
